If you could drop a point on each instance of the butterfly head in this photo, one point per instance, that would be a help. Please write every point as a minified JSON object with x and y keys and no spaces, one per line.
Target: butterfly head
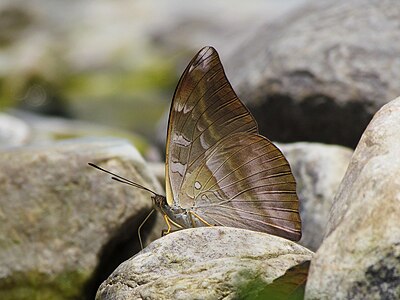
{"x":159,"y":201}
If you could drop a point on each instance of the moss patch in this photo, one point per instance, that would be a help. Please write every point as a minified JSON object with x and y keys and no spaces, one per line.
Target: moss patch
{"x":156,"y":75}
{"x":34,"y":285}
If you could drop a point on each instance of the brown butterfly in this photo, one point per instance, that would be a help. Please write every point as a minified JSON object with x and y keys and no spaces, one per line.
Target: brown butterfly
{"x":219,"y":170}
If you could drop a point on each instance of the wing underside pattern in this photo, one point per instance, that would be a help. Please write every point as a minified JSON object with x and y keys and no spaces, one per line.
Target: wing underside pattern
{"x":245,"y":181}
{"x":217,"y":164}
{"x":204,"y":110}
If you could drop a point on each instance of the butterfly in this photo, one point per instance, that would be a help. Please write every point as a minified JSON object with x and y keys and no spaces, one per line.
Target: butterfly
{"x":219,"y":170}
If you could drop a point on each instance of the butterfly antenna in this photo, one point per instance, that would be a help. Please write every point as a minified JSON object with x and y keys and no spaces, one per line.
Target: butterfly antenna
{"x":122,"y":179}
{"x":140,"y":227}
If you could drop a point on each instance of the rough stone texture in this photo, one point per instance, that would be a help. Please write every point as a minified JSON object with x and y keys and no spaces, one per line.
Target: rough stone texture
{"x":321,"y":73}
{"x":202,"y":263}
{"x":64,"y":225}
{"x":318,"y":170}
{"x":360,"y":257}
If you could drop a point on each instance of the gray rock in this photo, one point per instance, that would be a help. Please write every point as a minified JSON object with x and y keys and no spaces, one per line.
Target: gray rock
{"x":65,"y":222}
{"x":360,"y":256}
{"x":175,"y":28}
{"x":202,"y":263}
{"x":318,"y":170}
{"x":158,"y":169}
{"x":18,"y":128}
{"x":13,"y":131}
{"x":321,"y":73}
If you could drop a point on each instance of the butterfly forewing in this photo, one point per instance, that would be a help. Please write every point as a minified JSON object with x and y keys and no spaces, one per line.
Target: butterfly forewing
{"x":204,"y":110}
{"x":217,"y":164}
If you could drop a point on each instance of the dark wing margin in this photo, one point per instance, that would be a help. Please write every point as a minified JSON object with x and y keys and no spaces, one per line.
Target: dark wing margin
{"x":204,"y":110}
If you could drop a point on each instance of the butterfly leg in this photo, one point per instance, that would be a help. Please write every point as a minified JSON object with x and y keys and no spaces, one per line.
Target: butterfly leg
{"x":192,"y":213}
{"x":165,"y":232}
{"x":169,"y":221}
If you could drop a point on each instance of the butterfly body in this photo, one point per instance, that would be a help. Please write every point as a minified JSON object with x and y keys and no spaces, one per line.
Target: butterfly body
{"x":176,"y":215}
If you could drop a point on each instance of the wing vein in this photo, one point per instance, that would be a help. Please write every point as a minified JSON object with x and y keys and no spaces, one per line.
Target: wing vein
{"x":197,"y":100}
{"x":262,"y":178}
{"x":191,"y":164}
{"x":244,"y":164}
{"x":284,"y":228}
{"x":236,"y":209}
{"x":231,"y":155}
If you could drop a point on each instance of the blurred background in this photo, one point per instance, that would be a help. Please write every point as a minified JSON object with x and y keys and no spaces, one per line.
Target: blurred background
{"x":309,"y":71}
{"x":84,"y":68}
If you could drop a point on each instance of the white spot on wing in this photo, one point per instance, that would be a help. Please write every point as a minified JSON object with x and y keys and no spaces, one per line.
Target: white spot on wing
{"x":177,"y":167}
{"x":203,"y":142}
{"x":180,"y":140}
{"x":188,"y":107}
{"x":197,"y":185}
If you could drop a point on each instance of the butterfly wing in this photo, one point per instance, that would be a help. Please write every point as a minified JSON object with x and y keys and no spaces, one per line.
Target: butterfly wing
{"x":245,"y":181}
{"x":217,"y":164}
{"x":204,"y":109}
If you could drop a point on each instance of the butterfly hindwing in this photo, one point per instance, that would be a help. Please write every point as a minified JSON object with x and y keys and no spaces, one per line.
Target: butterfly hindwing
{"x":245,"y":181}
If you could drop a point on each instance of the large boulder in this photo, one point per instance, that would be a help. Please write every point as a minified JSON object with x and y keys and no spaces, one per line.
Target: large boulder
{"x":318,"y":169}
{"x":320,"y":74}
{"x":64,"y":225}
{"x":203,"y":263}
{"x":360,"y":256}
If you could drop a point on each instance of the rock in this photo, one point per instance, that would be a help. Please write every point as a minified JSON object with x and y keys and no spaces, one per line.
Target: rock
{"x":158,"y":169}
{"x":318,"y":170}
{"x":203,"y":263}
{"x":320,"y":73}
{"x":179,"y":20}
{"x":13,"y":131}
{"x":30,"y":128}
{"x":64,"y":225}
{"x":360,"y":256}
